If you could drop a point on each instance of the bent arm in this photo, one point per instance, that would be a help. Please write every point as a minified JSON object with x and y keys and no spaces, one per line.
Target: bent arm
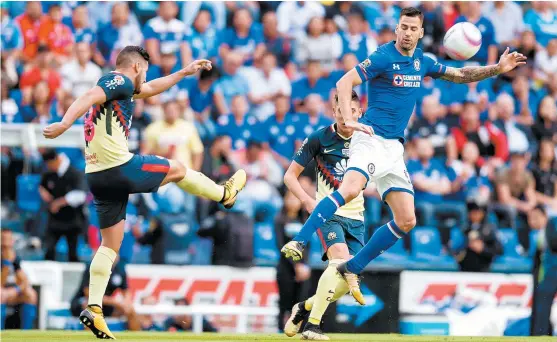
{"x":293,"y":184}
{"x":471,"y":74}
{"x":344,"y":89}
{"x":81,"y":105}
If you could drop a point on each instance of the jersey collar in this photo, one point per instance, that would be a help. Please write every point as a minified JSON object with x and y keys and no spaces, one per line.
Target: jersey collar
{"x":398,"y":57}
{"x":334,"y":129}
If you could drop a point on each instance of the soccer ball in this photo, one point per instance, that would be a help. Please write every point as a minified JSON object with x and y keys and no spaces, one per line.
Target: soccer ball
{"x":462,"y":41}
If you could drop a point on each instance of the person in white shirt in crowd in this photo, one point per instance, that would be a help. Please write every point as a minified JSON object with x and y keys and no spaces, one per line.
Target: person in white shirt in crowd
{"x":507,"y":20}
{"x":319,"y":46}
{"x":294,"y":16}
{"x":129,"y":32}
{"x":546,"y":61}
{"x":504,"y":110}
{"x":266,"y":82}
{"x":80,"y":74}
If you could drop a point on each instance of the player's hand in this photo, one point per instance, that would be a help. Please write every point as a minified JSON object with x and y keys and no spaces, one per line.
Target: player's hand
{"x":509,"y":61}
{"x":303,"y":272}
{"x":197,"y":65}
{"x":355,"y":125}
{"x":54,"y":130}
{"x":309,"y":204}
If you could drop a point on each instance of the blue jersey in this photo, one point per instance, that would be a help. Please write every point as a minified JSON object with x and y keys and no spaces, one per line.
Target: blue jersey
{"x":282,"y":135}
{"x":395,"y":82}
{"x":170,"y":34}
{"x":330,"y":152}
{"x":241,"y":133}
{"x":11,"y":37}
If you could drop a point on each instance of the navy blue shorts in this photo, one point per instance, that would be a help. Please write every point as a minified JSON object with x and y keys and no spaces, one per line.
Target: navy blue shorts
{"x":111,"y":187}
{"x":341,"y":229}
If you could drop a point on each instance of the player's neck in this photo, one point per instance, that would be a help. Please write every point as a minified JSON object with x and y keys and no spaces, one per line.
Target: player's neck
{"x":127,"y":73}
{"x":403,"y":52}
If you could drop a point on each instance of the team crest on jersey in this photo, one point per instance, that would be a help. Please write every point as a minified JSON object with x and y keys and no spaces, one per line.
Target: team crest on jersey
{"x":397,"y":80}
{"x":417,"y":64}
{"x":366,"y":63}
{"x":331,"y":236}
{"x":371,"y":168}
{"x":114,"y":82}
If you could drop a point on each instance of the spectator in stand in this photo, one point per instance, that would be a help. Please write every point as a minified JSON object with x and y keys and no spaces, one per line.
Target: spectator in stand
{"x":542,"y":19}
{"x":184,"y":322}
{"x":41,"y":71}
{"x":314,"y":120}
{"x":147,"y":321}
{"x":313,"y":83}
{"x":266,"y":82}
{"x":518,"y":136}
{"x":432,"y":125}
{"x":546,"y":60}
{"x":544,"y":171}
{"x":239,"y":126}
{"x":16,"y":288}
{"x":244,"y":38}
{"x":113,"y":306}
{"x":174,"y":138}
{"x":168,"y":65}
{"x":382,"y":15}
{"x":292,"y":277}
{"x":528,"y":46}
{"x":385,"y":35}
{"x":55,"y":35}
{"x":472,"y":12}
{"x":9,"y":110}
{"x":11,"y":37}
{"x":232,"y":234}
{"x":80,"y":74}
{"x":79,"y":24}
{"x":525,"y":99}
{"x":546,"y":119}
{"x":506,"y":17}
{"x":216,"y":9}
{"x":482,"y":244}
{"x":63,"y":191}
{"x":140,"y":121}
{"x":232,"y":83}
{"x":166,"y":33}
{"x":434,"y":26}
{"x":205,"y":95}
{"x":349,"y":62}
{"x":430,"y":181}
{"x":275,"y":42}
{"x":280,"y":132}
{"x":294,"y":16}
{"x":119,"y":33}
{"x":356,"y":39}
{"x":201,"y":37}
{"x":318,"y":46}
{"x":29,"y":23}
{"x":491,"y":141}
{"x":38,"y":110}
{"x":515,"y":190}
{"x":552,"y":87}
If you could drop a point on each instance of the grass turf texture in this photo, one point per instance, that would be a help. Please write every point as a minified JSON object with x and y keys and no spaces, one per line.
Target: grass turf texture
{"x":40,"y":336}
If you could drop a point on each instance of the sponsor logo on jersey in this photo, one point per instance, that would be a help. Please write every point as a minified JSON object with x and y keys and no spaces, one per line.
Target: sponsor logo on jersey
{"x":396,"y":67}
{"x":408,"y":81}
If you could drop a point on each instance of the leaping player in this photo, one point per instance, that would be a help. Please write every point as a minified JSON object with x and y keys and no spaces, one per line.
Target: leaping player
{"x":113,"y":172}
{"x":343,"y":235}
{"x":395,"y":71}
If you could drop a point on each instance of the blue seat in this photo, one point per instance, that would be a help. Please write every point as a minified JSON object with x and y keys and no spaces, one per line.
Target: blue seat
{"x":28,"y":198}
{"x":457,"y":240}
{"x":427,"y":250}
{"x":265,"y":245}
{"x":179,"y":230}
{"x":512,"y":259}
{"x":533,"y":242}
{"x":395,"y":257}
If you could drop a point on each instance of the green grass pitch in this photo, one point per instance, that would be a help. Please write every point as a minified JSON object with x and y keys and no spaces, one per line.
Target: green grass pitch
{"x":70,"y":336}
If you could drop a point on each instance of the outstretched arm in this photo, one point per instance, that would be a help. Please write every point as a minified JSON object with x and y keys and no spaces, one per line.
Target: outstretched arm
{"x":507,"y":62}
{"x":161,"y":84}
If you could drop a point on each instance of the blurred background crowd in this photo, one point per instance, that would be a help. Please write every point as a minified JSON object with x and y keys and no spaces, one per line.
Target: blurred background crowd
{"x":481,"y":156}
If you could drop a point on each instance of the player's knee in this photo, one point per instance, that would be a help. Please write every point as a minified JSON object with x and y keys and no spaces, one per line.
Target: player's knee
{"x":30,"y":296}
{"x":406,"y":222}
{"x":179,"y":171}
{"x":349,"y":191}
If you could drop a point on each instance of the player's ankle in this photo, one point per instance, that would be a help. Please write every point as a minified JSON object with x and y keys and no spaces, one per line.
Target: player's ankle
{"x":314,"y":321}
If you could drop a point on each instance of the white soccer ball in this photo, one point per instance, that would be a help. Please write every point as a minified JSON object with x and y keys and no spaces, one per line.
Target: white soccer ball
{"x":462,"y":41}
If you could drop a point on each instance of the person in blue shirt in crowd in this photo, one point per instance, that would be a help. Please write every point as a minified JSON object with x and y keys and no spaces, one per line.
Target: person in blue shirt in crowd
{"x":169,"y":65}
{"x":166,"y":33}
{"x":244,"y":37}
{"x":239,"y":126}
{"x":430,"y":180}
{"x":315,"y":118}
{"x":542,"y":19}
{"x":11,"y":37}
{"x":9,"y":111}
{"x":313,"y":83}
{"x":275,"y":42}
{"x":79,"y":24}
{"x":232,"y":83}
{"x":280,"y":131}
{"x":202,"y":37}
{"x":526,"y":99}
{"x":472,"y":12}
{"x":432,"y":125}
{"x":354,"y":39}
{"x":216,"y":9}
{"x":381,"y":14}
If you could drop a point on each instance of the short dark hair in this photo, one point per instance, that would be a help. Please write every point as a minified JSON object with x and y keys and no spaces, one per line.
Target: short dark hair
{"x":130,"y":54}
{"x":412,"y":12}
{"x":49,"y":154}
{"x":354,"y":97}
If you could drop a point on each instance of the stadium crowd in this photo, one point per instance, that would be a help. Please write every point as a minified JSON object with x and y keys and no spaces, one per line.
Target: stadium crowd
{"x":481,"y":154}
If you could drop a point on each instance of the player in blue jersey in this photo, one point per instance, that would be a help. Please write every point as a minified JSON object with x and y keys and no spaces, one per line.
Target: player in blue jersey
{"x":113,"y":173}
{"x":395,"y":73}
{"x":343,"y":235}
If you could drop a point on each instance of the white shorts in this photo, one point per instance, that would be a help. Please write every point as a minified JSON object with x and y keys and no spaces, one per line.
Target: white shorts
{"x":381,"y":161}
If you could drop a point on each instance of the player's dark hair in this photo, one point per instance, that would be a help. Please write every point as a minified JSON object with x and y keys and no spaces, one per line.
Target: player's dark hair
{"x":130,"y":54}
{"x":354,"y":97}
{"x":412,"y":12}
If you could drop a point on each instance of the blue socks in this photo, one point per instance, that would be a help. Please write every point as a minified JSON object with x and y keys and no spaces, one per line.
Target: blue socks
{"x":2,"y":316}
{"x":28,"y":314}
{"x":383,"y":238}
{"x":324,"y":210}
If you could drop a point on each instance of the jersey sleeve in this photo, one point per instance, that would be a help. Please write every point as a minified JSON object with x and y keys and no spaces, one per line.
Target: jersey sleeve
{"x":433,"y":69}
{"x":372,"y":66}
{"x":308,"y":150}
{"x":116,"y":86}
{"x":149,"y":33}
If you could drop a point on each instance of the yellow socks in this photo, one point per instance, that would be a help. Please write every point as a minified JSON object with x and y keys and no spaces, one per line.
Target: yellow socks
{"x":308,"y":304}
{"x":99,"y":274}
{"x":198,"y":184}
{"x":331,"y":287}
